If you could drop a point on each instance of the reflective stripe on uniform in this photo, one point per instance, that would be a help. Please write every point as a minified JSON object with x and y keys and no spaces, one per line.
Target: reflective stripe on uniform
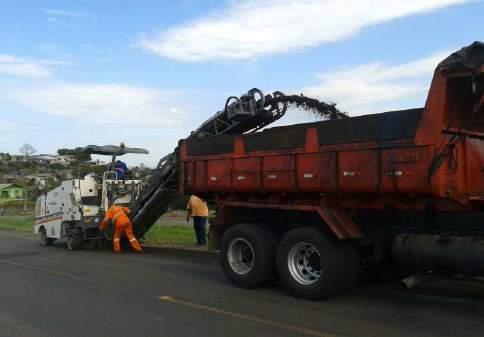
{"x":117,"y":214}
{"x":133,"y":239}
{"x":116,"y":239}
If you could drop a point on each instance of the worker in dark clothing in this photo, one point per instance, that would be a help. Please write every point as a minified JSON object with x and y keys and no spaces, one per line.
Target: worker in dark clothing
{"x":121,"y":169}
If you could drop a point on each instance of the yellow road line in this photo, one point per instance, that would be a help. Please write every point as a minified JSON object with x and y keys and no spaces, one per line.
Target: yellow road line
{"x":280,"y":325}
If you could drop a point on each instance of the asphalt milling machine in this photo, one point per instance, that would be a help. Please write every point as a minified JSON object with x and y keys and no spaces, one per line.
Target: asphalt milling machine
{"x":74,"y":210}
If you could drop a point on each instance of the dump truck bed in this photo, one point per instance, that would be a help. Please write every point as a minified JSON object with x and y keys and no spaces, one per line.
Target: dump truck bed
{"x":410,"y":158}
{"x":330,"y":156}
{"x":375,"y":155}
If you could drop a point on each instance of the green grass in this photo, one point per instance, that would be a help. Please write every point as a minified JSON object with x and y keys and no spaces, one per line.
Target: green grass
{"x":161,"y":234}
{"x":20,"y":223}
{"x":170,"y":235}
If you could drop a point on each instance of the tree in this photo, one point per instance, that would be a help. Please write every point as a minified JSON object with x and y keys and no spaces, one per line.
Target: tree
{"x":27,"y":150}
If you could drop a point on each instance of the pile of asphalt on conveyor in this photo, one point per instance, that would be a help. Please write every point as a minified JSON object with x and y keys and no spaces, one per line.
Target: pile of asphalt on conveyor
{"x":247,"y":113}
{"x":321,"y":110}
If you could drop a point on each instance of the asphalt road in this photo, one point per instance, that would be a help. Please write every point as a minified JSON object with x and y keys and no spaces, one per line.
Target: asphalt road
{"x":50,"y":292}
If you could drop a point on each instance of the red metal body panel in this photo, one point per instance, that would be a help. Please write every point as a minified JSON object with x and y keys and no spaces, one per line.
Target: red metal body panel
{"x":316,"y":172}
{"x":279,"y":173}
{"x":358,"y":171}
{"x":219,"y":175}
{"x":246,"y":174}
{"x":405,"y":170}
{"x":441,"y":165}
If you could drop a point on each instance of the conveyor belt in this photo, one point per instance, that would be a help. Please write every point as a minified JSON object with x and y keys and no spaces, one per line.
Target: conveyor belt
{"x":249,"y":112}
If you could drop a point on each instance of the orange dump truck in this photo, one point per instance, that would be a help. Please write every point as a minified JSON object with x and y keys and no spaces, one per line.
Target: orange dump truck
{"x":313,"y":203}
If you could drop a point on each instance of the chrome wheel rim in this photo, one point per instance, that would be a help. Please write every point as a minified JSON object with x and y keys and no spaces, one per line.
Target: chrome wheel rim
{"x":304,"y":263}
{"x":241,"y":256}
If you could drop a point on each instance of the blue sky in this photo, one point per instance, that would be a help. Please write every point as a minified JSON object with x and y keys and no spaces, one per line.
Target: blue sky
{"x":146,"y":73}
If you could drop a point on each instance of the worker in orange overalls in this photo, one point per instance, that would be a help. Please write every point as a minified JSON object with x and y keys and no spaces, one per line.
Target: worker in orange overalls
{"x":122,"y":225}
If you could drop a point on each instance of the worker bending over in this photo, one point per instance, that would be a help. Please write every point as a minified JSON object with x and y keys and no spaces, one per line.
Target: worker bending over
{"x":122,"y":225}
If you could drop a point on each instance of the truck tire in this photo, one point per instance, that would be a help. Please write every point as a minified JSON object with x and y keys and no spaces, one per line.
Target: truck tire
{"x":74,"y":241}
{"x":44,"y":239}
{"x":247,"y":255}
{"x":308,"y":263}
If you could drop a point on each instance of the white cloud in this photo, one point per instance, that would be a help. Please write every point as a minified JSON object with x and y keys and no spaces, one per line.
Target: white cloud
{"x":374,"y":87}
{"x":252,"y":28}
{"x":104,"y":104}
{"x":14,"y":66}
{"x":52,"y":13}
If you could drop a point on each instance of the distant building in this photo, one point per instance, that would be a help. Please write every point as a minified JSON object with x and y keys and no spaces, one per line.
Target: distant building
{"x":41,"y":158}
{"x":52,"y":159}
{"x":65,"y":159}
{"x":11,"y":192}
{"x":8,"y":178}
{"x":38,"y":177}
{"x":97,"y":162}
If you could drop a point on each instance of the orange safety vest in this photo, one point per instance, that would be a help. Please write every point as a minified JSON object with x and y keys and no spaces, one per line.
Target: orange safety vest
{"x":118,"y":214}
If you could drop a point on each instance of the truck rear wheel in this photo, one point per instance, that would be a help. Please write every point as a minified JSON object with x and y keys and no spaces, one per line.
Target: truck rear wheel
{"x":44,"y":239}
{"x":74,"y":241}
{"x":312,"y":265}
{"x":247,"y":255}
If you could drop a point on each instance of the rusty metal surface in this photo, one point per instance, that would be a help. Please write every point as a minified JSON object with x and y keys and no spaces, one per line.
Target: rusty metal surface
{"x":408,"y":159}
